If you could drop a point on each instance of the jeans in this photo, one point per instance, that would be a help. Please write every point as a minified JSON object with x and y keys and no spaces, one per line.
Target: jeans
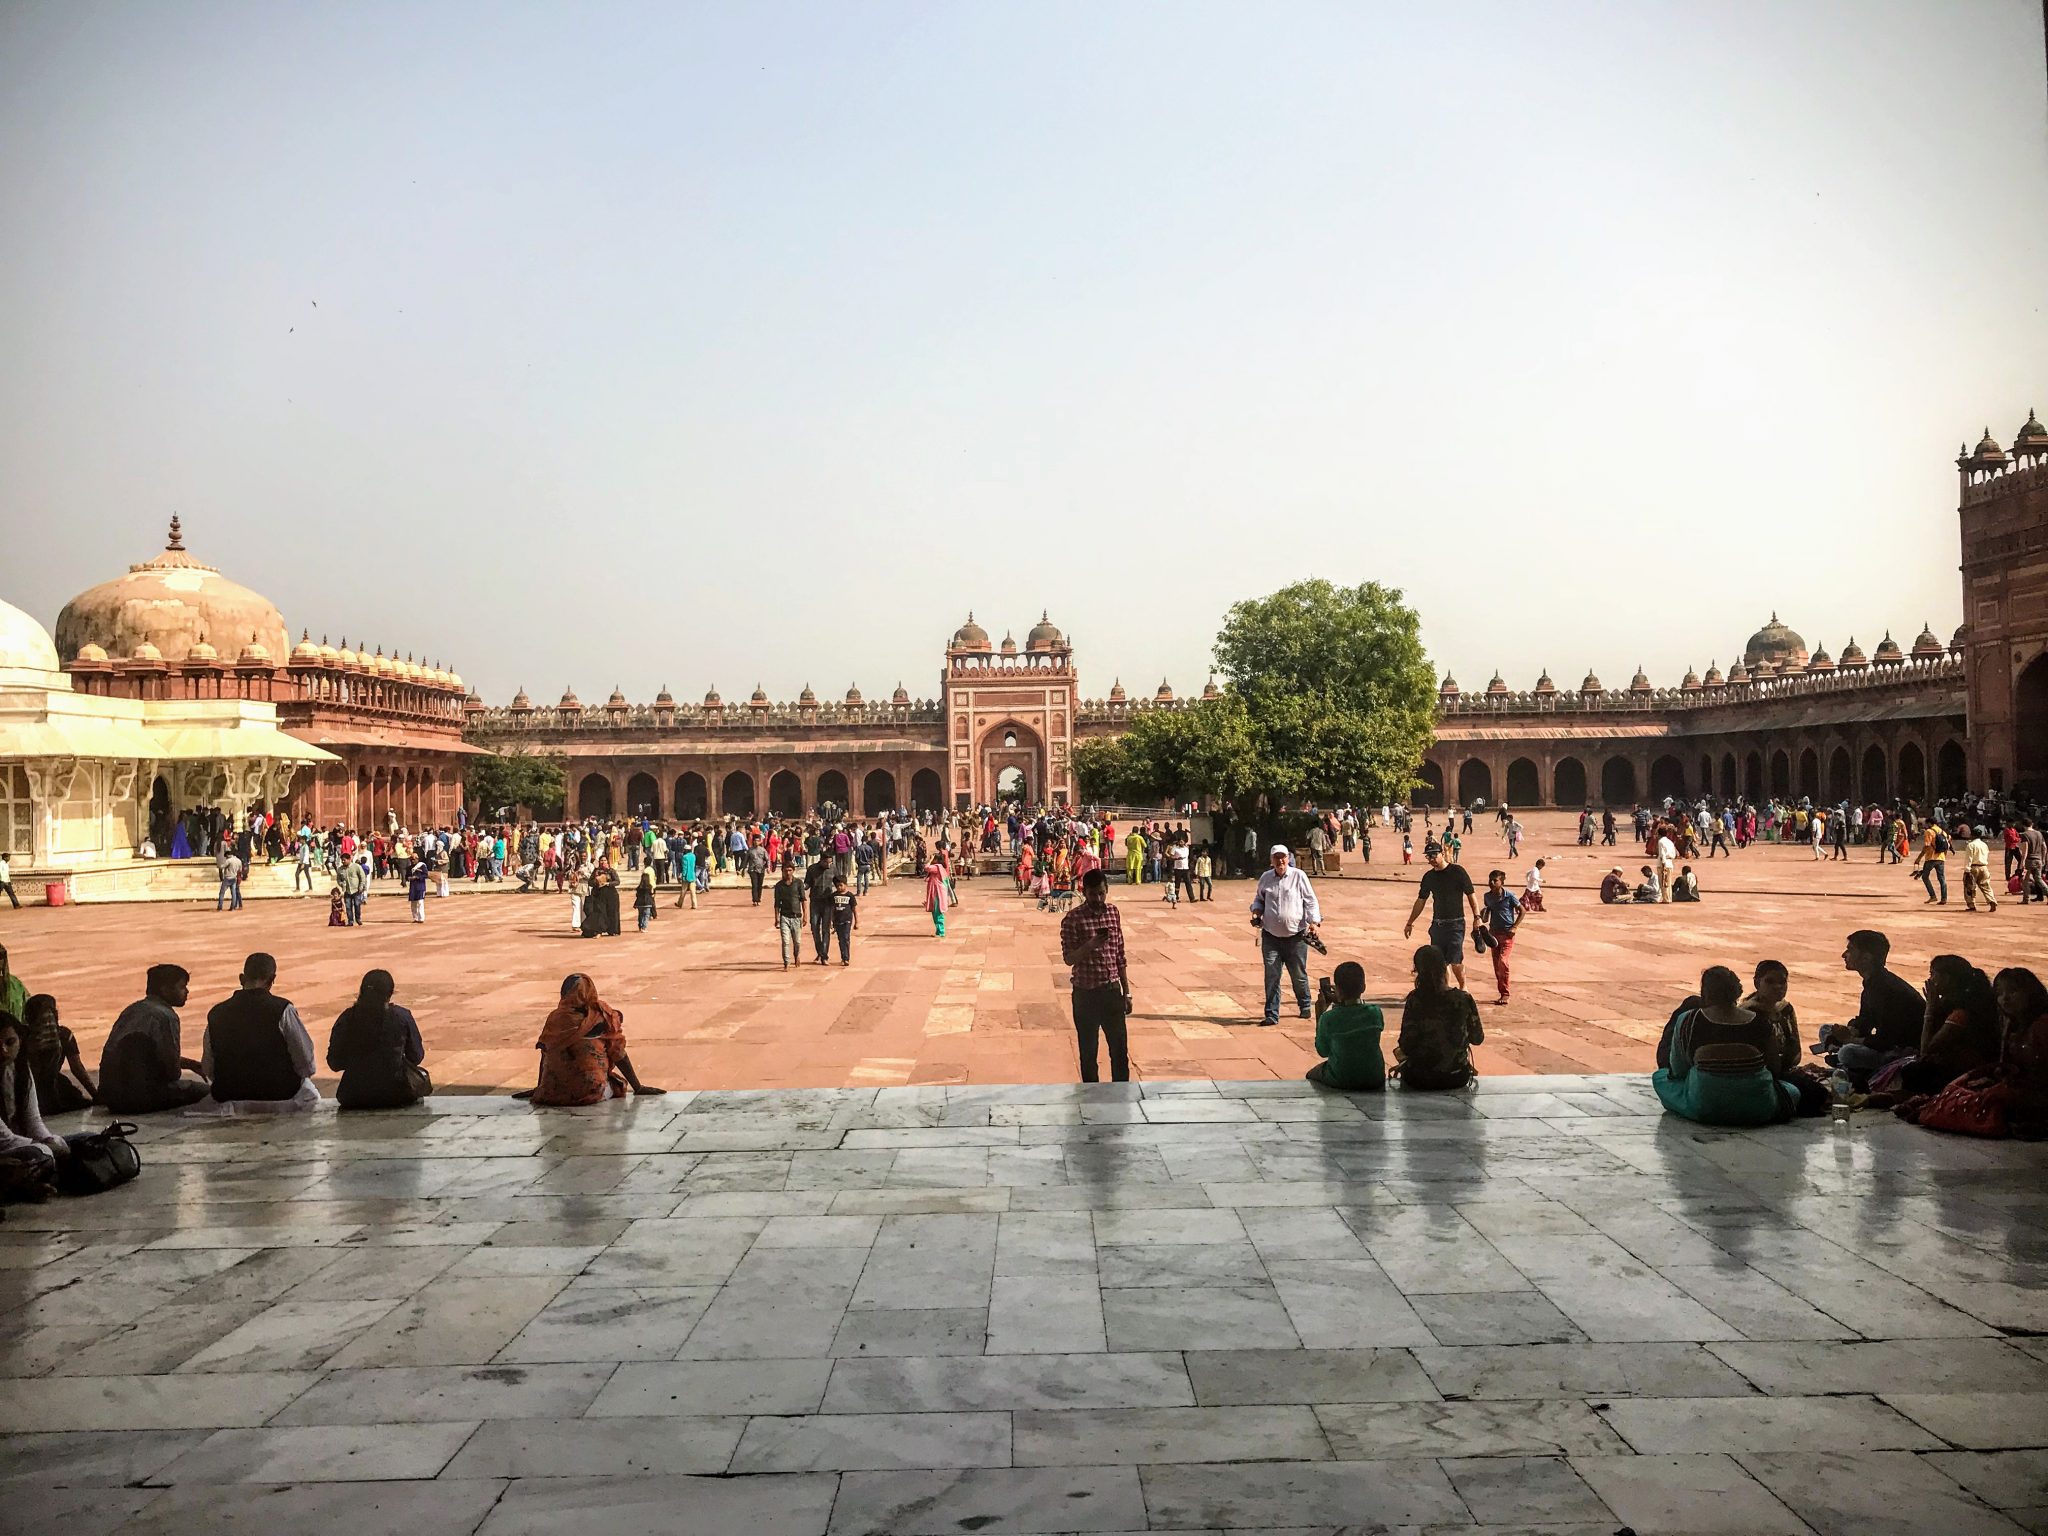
{"x":644,"y":913}
{"x":302,"y":872}
{"x":352,"y":907}
{"x":8,"y":887}
{"x":754,"y":878}
{"x":1860,"y":1060}
{"x":1930,"y":872}
{"x":1100,"y":1011}
{"x":843,"y":927}
{"x":230,"y":895}
{"x":1293,"y":954}
{"x":790,"y":937}
{"x":821,"y":931}
{"x":860,"y":879}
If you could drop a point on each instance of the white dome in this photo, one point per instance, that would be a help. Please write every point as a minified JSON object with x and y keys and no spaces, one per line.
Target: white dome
{"x":24,"y":644}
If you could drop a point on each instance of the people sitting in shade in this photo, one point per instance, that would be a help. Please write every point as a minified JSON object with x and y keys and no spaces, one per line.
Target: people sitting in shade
{"x":51,"y":1051}
{"x":1614,"y":887}
{"x":257,"y":1053}
{"x":1439,"y":1026}
{"x":143,"y":1068}
{"x":1686,"y":885}
{"x":1959,"y":1035}
{"x":1717,"y":1061}
{"x":376,"y":1047}
{"x":1889,"y":1013}
{"x":582,"y":1046}
{"x":1348,"y":1031}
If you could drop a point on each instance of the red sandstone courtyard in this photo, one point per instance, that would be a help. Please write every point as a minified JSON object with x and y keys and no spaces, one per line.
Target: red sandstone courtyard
{"x":707,"y":1004}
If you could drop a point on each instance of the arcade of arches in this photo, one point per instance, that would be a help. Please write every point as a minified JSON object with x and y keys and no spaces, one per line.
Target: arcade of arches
{"x":607,"y":789}
{"x":1926,"y":758}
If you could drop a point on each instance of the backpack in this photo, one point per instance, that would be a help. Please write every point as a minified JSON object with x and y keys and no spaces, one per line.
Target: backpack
{"x":100,"y":1162}
{"x":1941,"y":843}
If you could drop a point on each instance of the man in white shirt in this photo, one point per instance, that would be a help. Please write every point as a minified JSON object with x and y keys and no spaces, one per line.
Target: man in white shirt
{"x":1285,"y":911}
{"x":1667,"y":855}
{"x":7,"y":882}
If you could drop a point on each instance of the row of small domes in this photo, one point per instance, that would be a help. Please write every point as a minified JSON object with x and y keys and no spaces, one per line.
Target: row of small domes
{"x":1044,"y":637}
{"x":2031,"y":442}
{"x":305,"y":654}
{"x":666,"y":700}
{"x":1926,"y":647}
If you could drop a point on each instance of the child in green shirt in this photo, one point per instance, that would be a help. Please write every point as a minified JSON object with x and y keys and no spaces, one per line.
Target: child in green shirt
{"x":1348,"y":1036}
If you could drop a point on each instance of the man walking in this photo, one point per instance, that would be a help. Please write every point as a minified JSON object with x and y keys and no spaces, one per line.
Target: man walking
{"x":1447,"y":890}
{"x":1092,"y":942}
{"x":2033,"y":863}
{"x":845,"y":917}
{"x":757,"y":868}
{"x":230,"y":867}
{"x":1503,"y":916}
{"x":1977,"y":869}
{"x":789,"y":915}
{"x":1318,"y":845}
{"x":818,"y":881}
{"x":7,"y":882}
{"x":354,"y":884}
{"x":1286,"y":912}
{"x":1667,"y":855}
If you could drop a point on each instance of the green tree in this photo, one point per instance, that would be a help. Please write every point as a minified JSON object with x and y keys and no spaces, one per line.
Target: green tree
{"x":1339,"y":693}
{"x":515,"y":775}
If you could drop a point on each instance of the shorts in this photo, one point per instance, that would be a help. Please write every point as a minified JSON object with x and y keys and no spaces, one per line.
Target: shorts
{"x":1447,"y":938}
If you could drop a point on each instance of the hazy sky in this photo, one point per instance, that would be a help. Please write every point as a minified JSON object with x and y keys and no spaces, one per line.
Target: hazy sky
{"x":693,"y":344}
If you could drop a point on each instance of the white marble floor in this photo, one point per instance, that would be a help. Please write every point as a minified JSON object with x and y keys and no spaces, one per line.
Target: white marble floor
{"x":1540,"y":1307}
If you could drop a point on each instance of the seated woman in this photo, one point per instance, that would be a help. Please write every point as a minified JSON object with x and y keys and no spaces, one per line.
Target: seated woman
{"x":1686,"y":887}
{"x":2023,"y":1055}
{"x":1769,"y":999}
{"x":29,"y":1152}
{"x":1714,"y":1064}
{"x":376,"y":1047}
{"x":1439,"y":1026}
{"x":49,"y":1048}
{"x":1958,"y":1037}
{"x":582,"y":1048}
{"x":1348,"y":1031}
{"x":1613,"y":888}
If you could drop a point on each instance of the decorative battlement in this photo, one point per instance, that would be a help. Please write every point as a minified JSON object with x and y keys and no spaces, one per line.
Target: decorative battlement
{"x":576,"y":719}
{"x":1906,"y":674}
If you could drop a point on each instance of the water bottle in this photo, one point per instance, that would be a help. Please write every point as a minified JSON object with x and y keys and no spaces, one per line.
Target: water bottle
{"x":1838,"y":1105}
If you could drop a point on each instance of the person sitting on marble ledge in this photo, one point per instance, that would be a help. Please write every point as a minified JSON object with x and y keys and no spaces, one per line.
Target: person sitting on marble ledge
{"x":142,"y":1069}
{"x":1439,"y":1026}
{"x":49,"y":1048}
{"x":1716,"y":1063}
{"x":29,"y":1152}
{"x":582,"y":1048}
{"x":1348,"y":1031}
{"x":376,"y":1047}
{"x":256,"y":1051}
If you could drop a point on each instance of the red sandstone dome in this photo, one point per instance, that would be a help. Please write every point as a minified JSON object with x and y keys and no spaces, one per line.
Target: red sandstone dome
{"x":1045,"y":635}
{"x":1496,"y":684}
{"x":1928,"y":644}
{"x":853,"y":694}
{"x":1888,"y":653}
{"x":1714,"y":679}
{"x":1544,"y":686}
{"x":172,"y":602}
{"x":900,"y":696}
{"x":1821,"y":662}
{"x":1448,"y":688}
{"x":1591,"y":683}
{"x":1210,"y":690}
{"x":2033,"y":438}
{"x":1852,"y":658}
{"x":970,"y":636}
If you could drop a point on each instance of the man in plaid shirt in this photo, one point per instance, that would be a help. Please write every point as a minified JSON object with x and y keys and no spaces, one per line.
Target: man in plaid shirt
{"x":1092,"y":942}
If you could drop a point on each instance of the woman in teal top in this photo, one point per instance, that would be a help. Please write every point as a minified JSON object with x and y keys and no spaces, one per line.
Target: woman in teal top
{"x":1348,"y":1036}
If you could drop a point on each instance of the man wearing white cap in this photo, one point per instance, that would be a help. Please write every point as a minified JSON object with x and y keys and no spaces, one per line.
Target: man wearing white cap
{"x":1286,"y":911}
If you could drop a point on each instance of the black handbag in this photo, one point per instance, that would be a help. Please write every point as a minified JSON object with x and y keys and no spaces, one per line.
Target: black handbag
{"x":100,"y":1162}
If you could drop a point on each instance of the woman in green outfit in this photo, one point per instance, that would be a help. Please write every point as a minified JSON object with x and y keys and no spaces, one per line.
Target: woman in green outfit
{"x":1714,"y":1065}
{"x":1348,"y":1036}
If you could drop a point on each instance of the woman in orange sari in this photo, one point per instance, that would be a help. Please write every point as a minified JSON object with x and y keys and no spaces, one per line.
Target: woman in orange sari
{"x":582,"y":1047}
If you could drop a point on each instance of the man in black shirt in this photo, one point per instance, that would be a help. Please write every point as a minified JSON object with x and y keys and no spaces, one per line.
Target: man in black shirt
{"x":789,"y":916}
{"x":818,"y":883}
{"x":1889,"y":1015}
{"x":1444,"y":885}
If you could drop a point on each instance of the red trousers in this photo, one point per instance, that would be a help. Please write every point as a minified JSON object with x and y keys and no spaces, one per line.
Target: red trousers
{"x":1502,"y":944}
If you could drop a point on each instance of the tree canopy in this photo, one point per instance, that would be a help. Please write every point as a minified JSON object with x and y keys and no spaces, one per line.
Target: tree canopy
{"x":1329,"y":696}
{"x":515,"y":775}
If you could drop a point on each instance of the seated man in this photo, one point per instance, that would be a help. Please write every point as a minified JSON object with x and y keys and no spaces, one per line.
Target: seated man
{"x":257,"y":1052}
{"x":1687,"y":886}
{"x":1348,"y":1031}
{"x":141,"y":1068}
{"x":1889,"y":1013}
{"x":1715,"y":1062}
{"x":1613,"y":888}
{"x":1649,"y":890}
